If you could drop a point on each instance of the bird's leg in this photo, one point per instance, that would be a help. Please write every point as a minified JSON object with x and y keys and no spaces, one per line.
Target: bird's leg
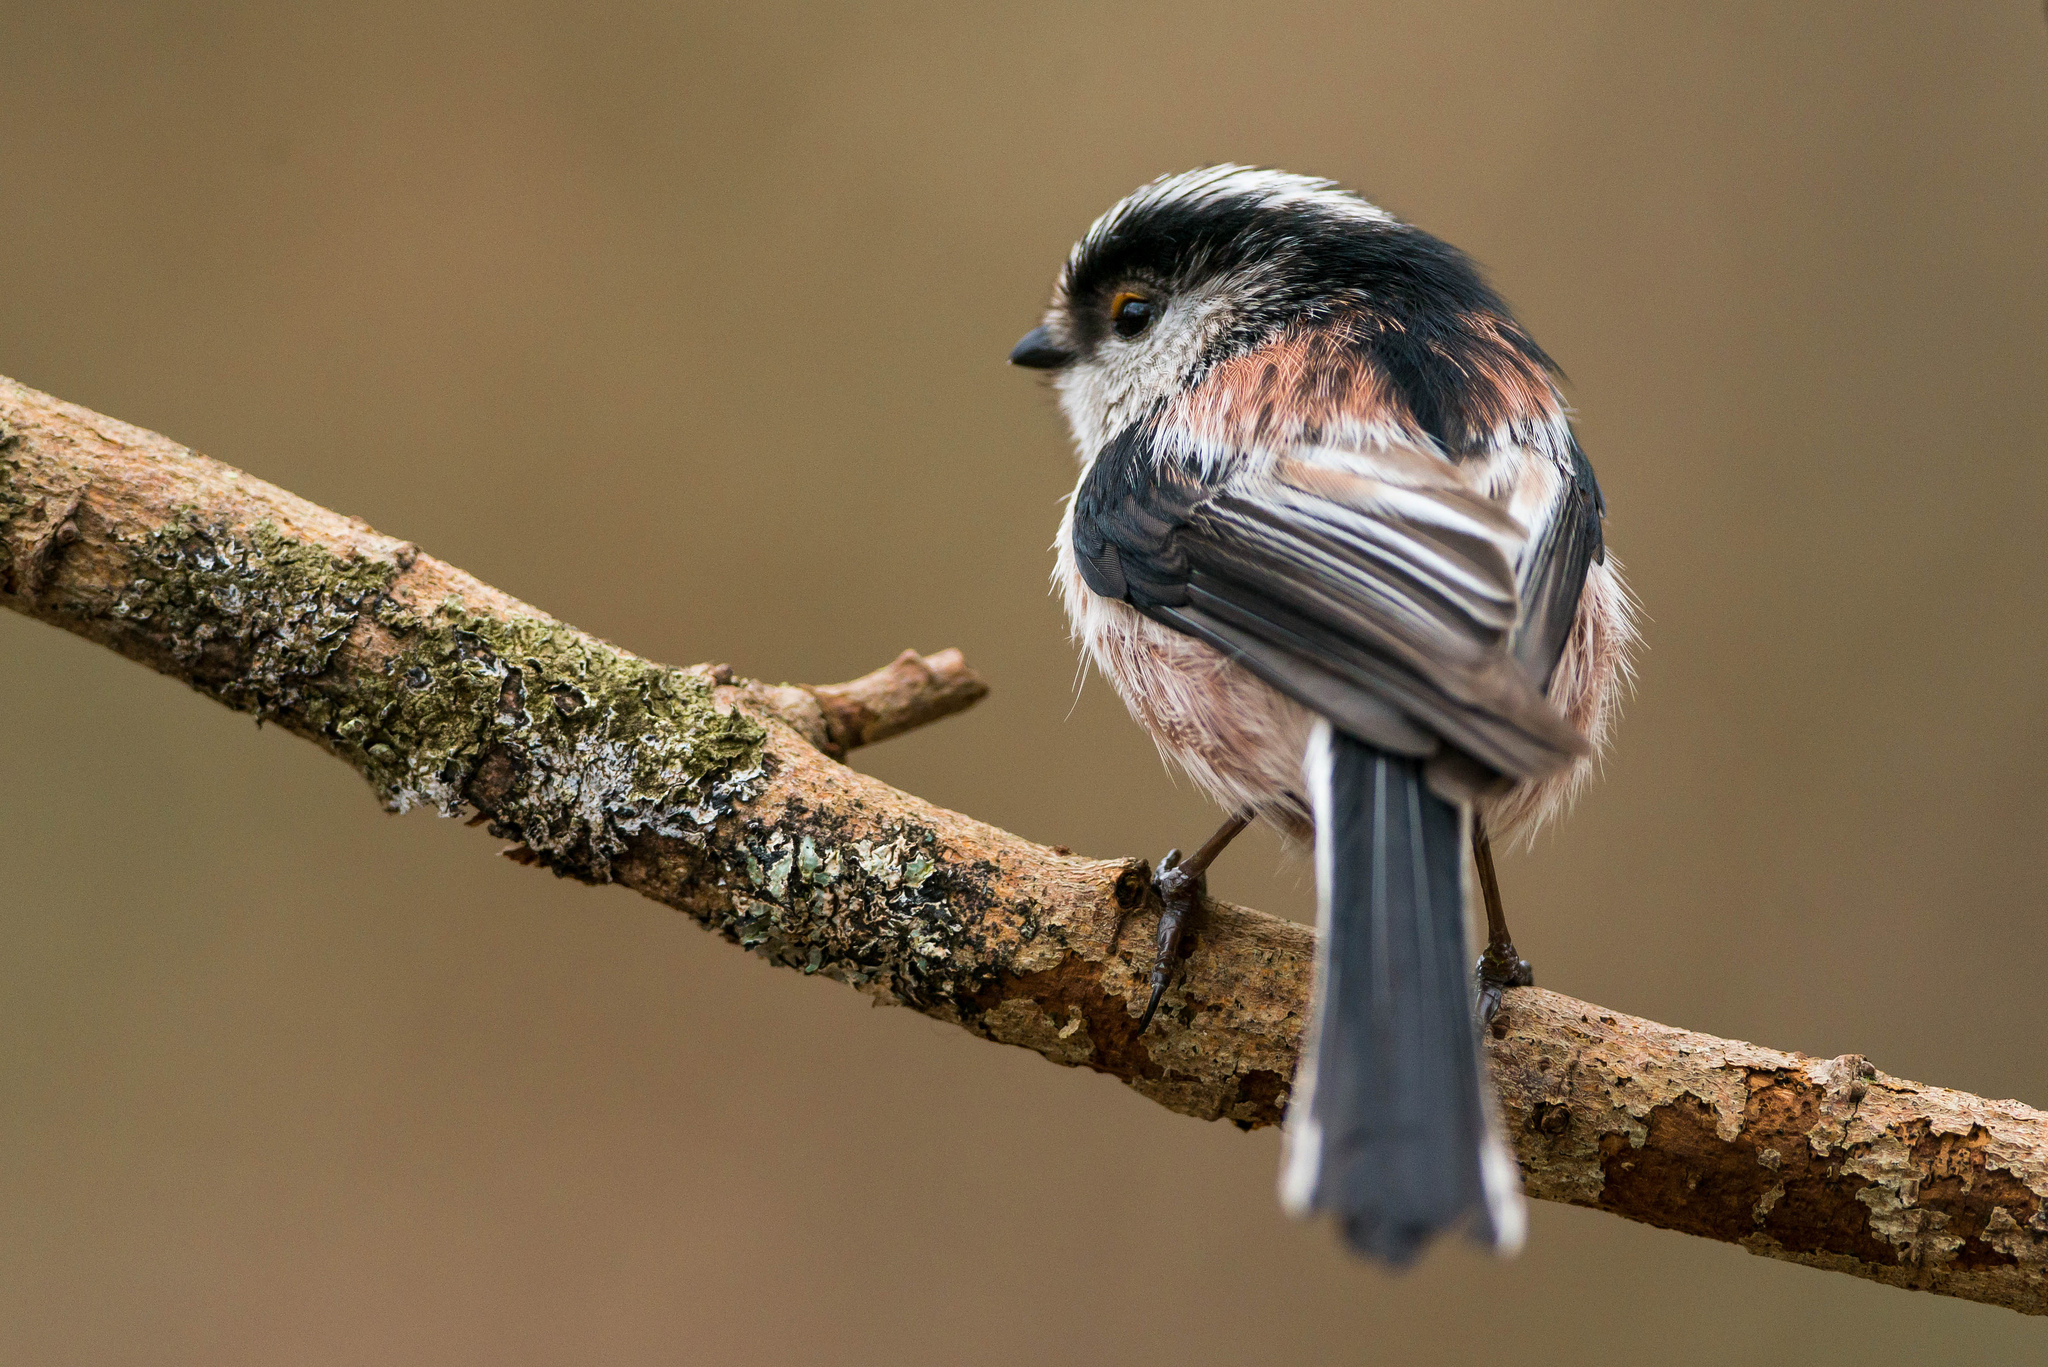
{"x":1500,"y":967}
{"x":1182,"y":884}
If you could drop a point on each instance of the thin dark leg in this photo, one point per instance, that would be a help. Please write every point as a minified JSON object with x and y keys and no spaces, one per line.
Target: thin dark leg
{"x":1500,"y":967}
{"x":1182,"y":884}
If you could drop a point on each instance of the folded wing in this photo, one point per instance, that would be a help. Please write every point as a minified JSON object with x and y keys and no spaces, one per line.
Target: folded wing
{"x":1376,"y":590}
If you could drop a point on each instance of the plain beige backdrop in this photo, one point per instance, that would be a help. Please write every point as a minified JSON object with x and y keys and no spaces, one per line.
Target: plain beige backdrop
{"x":689,"y":327}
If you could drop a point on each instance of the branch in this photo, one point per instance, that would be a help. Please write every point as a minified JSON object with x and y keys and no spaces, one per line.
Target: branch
{"x":722,"y":797}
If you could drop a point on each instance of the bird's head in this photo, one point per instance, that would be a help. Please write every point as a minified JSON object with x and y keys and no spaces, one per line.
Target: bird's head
{"x":1197,"y":268}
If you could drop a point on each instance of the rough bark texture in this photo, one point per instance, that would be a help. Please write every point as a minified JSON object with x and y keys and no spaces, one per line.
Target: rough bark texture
{"x":722,"y":797}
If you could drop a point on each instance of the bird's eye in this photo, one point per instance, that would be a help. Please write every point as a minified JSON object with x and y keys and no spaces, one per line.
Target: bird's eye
{"x":1131,"y":313}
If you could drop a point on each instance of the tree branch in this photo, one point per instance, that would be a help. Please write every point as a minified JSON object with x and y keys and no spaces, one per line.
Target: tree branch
{"x":722,"y":797}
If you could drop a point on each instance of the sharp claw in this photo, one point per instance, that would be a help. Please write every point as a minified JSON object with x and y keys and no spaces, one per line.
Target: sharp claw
{"x":1499,"y":969}
{"x":1178,"y":896}
{"x":1171,"y":917}
{"x":1158,"y":991}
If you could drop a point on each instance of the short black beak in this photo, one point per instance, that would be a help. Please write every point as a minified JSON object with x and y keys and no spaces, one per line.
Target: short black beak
{"x":1039,"y":351}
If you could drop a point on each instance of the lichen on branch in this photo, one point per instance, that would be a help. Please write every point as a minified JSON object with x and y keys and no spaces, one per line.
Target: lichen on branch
{"x":588,"y":746}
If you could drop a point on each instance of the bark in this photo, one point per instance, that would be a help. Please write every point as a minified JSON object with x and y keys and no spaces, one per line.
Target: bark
{"x":724,"y":798}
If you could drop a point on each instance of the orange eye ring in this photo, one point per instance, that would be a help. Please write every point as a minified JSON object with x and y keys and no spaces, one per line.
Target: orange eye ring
{"x":1130,"y":313}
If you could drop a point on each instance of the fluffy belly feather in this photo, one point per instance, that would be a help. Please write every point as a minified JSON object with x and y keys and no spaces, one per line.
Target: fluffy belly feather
{"x":1241,"y":740}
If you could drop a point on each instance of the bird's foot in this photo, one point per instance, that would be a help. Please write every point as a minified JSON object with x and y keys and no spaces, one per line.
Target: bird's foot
{"x":1180,"y":893}
{"x":1500,"y":968}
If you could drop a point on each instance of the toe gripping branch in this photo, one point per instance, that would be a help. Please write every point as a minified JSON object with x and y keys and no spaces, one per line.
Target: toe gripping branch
{"x":1180,"y":892}
{"x":1499,"y":969}
{"x":1182,"y":885}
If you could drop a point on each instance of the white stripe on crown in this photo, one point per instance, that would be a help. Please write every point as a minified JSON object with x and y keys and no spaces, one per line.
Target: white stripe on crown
{"x":1206,"y":184}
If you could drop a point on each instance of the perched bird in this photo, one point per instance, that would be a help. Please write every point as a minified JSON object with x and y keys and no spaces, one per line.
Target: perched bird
{"x":1337,"y":548}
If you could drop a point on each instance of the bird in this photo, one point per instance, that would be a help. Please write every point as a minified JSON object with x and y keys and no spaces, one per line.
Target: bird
{"x":1336,"y":546}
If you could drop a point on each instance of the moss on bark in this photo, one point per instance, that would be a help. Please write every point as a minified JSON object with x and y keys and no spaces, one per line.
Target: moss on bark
{"x":580,"y":745}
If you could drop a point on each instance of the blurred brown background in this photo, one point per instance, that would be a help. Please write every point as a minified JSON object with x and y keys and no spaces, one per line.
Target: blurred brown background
{"x":689,"y":327}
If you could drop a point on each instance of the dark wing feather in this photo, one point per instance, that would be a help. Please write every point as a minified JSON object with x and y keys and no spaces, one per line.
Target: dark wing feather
{"x":1554,"y":575}
{"x":1384,"y":605}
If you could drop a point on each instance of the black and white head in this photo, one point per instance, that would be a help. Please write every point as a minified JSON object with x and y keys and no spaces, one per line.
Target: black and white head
{"x":1199,"y":268}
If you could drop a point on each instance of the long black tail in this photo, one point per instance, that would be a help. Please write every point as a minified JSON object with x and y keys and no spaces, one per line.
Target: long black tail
{"x":1392,"y":1123}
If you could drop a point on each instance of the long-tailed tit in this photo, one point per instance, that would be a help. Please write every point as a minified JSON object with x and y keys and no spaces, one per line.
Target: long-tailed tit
{"x":1335,"y":545}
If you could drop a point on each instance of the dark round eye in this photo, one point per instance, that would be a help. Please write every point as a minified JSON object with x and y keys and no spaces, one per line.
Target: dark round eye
{"x":1131,"y":313}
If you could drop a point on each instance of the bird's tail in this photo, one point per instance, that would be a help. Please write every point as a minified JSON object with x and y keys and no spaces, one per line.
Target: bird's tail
{"x":1392,"y":1126}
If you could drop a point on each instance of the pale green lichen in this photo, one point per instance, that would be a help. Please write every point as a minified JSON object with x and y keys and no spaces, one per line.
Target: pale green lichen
{"x":579,"y":745}
{"x":882,"y":914}
{"x":255,"y":618}
{"x":582,"y":745}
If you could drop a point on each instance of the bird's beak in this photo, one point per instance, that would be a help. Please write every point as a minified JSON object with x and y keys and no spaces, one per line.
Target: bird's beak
{"x":1039,"y":351}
